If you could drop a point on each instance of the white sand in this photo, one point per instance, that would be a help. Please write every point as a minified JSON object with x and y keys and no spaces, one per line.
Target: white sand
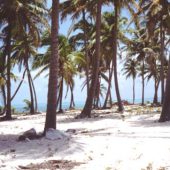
{"x":104,"y":143}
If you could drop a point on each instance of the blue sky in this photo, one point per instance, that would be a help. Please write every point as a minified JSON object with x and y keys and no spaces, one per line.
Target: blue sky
{"x":41,"y":83}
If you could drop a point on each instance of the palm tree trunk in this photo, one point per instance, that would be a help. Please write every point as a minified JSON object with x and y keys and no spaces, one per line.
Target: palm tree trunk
{"x":61,"y":95}
{"x":143,"y":83}
{"x":86,"y":112}
{"x":72,"y":98}
{"x":86,"y":51}
{"x":109,"y":86}
{"x":110,"y":98}
{"x":16,"y":91}
{"x":3,"y":94}
{"x":155,"y":95}
{"x":133,"y":90}
{"x":53,"y":75}
{"x":120,"y":105}
{"x":165,"y":114}
{"x":32,"y":111}
{"x":35,"y":95}
{"x":97,"y":94}
{"x":2,"y":71}
{"x":4,"y":99}
{"x":58,"y":97}
{"x":162,"y":61}
{"x":155,"y":100}
{"x":8,"y":52}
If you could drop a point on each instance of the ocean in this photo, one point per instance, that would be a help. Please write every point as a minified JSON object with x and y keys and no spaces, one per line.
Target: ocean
{"x":78,"y":105}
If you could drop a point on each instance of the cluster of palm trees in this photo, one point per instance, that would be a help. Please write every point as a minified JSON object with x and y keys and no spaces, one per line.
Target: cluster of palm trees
{"x":20,"y":24}
{"x":92,"y":48}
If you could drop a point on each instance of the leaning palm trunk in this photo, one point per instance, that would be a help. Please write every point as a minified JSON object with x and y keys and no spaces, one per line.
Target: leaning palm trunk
{"x":109,"y":87}
{"x":16,"y":91}
{"x":58,"y":98}
{"x":32,"y":109}
{"x":89,"y":101}
{"x":120,"y":105}
{"x":165,"y":114}
{"x":53,"y":75}
{"x":110,"y":98}
{"x":35,"y":95}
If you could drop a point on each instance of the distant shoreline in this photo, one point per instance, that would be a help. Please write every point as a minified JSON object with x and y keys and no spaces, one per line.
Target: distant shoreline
{"x":78,"y":104}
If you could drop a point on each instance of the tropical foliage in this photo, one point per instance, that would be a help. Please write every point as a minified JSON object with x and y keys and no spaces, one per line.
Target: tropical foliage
{"x":97,"y":41}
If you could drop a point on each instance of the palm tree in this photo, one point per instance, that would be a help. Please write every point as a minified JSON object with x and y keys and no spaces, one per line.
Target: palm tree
{"x":130,"y":70}
{"x":165,"y":114}
{"x":107,"y":46}
{"x":158,"y":18}
{"x":86,"y":112}
{"x":22,"y":51}
{"x":152,"y":72}
{"x":115,"y":31}
{"x":7,"y":18}
{"x":53,"y":75}
{"x":17,"y":17}
{"x":76,"y":9}
{"x":69,"y":63}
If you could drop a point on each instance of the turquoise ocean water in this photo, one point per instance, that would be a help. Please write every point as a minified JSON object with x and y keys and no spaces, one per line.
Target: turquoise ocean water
{"x":79,"y":104}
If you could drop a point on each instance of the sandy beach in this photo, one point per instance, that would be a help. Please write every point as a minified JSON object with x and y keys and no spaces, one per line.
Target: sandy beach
{"x":104,"y":142}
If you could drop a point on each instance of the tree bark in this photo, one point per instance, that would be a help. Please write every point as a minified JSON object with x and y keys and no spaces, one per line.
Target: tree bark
{"x":2,"y":72}
{"x":72,"y":104}
{"x":86,"y":51}
{"x":35,"y":95}
{"x":16,"y":91}
{"x":53,"y":75}
{"x":97,"y":95}
{"x":155,"y":99}
{"x":165,"y":114}
{"x":110,"y":98}
{"x":32,"y":109}
{"x":4,"y":99}
{"x":58,"y":97}
{"x":143,"y":83}
{"x":133,"y":90}
{"x":86,"y":112}
{"x":109,"y":87}
{"x":8,"y":52}
{"x":61,"y":96}
{"x":162,"y":61}
{"x":119,"y":101}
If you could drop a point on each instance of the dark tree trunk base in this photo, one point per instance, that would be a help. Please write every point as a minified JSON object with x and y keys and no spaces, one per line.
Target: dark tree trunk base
{"x":60,"y":111}
{"x":5,"y":118}
{"x":82,"y":116}
{"x":72,"y":108}
{"x":165,"y":119}
{"x":106,"y":107}
{"x":120,"y":109}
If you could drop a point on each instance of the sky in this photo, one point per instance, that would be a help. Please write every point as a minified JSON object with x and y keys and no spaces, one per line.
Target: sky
{"x":41,"y":83}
